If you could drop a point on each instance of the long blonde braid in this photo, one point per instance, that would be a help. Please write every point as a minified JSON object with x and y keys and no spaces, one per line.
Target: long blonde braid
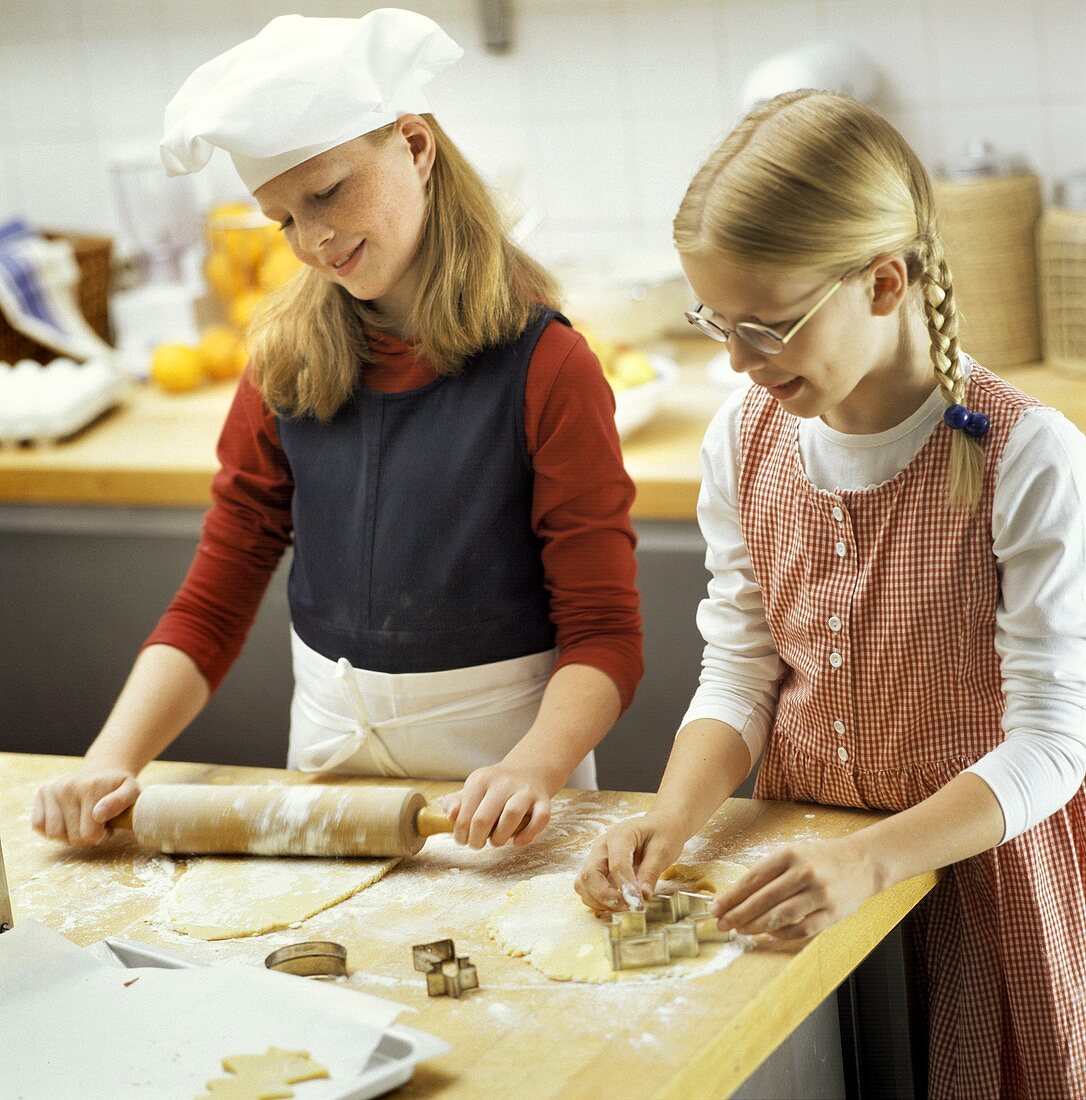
{"x":966,"y":468}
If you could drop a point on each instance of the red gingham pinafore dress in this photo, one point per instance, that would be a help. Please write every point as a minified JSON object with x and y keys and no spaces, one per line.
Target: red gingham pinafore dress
{"x":881,"y":603}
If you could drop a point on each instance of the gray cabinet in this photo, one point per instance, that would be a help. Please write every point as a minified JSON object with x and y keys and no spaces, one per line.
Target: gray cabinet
{"x":83,"y":587}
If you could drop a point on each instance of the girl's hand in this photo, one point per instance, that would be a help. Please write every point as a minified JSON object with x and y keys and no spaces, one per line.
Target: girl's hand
{"x":76,"y":808}
{"x":633,"y":854}
{"x":799,"y":890}
{"x":495,"y":802}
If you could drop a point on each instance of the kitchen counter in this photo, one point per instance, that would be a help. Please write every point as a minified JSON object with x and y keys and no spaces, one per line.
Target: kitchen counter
{"x":159,"y":450}
{"x":520,"y":1034}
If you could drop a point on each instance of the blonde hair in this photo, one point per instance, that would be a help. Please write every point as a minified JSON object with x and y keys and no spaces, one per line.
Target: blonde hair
{"x":476,"y":289}
{"x":816,"y":181}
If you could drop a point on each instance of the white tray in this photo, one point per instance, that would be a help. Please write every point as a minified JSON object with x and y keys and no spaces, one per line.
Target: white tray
{"x":390,"y":1065}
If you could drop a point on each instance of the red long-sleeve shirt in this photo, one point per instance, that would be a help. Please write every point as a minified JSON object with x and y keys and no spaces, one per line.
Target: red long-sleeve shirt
{"x":580,"y":511}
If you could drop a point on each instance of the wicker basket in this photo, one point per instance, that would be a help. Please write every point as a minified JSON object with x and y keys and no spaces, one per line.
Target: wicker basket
{"x":92,"y":254}
{"x":989,"y":227}
{"x":1062,"y":256}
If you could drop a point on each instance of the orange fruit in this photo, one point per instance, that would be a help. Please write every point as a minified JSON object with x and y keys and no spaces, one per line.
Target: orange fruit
{"x":243,"y":306}
{"x":176,"y":368}
{"x":279,"y":267}
{"x":223,"y":278}
{"x":222,"y":352}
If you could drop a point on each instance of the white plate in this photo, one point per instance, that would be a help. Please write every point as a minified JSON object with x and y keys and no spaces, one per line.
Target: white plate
{"x":637,"y":405}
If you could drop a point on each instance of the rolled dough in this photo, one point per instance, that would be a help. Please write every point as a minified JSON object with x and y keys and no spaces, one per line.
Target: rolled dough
{"x":220,"y":899}
{"x":543,"y":919}
{"x":288,"y":1066}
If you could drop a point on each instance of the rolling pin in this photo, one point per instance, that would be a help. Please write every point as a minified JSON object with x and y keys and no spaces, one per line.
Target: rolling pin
{"x":199,"y":819}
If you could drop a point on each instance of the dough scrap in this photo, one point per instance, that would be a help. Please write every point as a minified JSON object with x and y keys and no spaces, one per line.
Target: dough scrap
{"x":220,"y":899}
{"x":246,"y":1088}
{"x":288,"y":1066}
{"x":264,"y":1076}
{"x":542,"y":918}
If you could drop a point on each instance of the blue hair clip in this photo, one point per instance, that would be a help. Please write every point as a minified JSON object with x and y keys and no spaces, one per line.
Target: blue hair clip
{"x":972,"y":423}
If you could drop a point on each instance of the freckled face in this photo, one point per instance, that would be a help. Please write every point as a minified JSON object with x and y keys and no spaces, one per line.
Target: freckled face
{"x":356,"y":212}
{"x":823,"y":365}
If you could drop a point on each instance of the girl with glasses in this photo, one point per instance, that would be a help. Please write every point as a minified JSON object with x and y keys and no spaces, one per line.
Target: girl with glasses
{"x":896,"y":617}
{"x":430,"y":436}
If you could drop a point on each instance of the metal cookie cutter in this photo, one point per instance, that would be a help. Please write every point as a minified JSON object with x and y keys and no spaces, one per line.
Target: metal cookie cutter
{"x":446,"y":975}
{"x":313,"y":959}
{"x":683,"y":923}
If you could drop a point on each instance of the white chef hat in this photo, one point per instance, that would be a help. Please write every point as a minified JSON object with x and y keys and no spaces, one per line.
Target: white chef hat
{"x":303,"y":86}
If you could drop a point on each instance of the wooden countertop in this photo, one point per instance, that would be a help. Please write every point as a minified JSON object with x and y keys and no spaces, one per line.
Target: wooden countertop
{"x":520,"y":1034}
{"x":159,"y":449}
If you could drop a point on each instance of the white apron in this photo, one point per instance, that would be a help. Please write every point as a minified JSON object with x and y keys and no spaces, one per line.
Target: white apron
{"x":422,"y":725}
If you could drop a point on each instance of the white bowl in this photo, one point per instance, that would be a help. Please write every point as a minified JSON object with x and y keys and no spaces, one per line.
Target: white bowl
{"x":628,"y":298}
{"x":637,"y":405}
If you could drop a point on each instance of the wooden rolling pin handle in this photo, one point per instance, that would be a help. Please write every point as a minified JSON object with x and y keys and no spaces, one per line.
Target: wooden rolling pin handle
{"x":431,"y":821}
{"x":122,"y":821}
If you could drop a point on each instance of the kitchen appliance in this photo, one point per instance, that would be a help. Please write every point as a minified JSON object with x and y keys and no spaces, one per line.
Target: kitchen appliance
{"x":159,"y":214}
{"x":161,"y":224}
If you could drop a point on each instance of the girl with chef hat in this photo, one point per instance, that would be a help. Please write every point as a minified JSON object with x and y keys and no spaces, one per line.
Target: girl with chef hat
{"x":435,"y":440}
{"x":897,"y":605}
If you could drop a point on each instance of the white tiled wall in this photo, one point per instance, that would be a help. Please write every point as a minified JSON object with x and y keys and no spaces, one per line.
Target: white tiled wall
{"x":605,"y":106}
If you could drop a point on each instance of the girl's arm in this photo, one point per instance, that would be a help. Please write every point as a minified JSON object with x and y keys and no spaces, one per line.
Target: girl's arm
{"x":707,"y":764}
{"x":580,"y":704}
{"x":580,"y":512}
{"x":199,"y":636}
{"x":803,"y":888}
{"x":164,"y":692}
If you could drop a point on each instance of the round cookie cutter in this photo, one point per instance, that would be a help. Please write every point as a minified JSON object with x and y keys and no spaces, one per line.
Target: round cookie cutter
{"x":312,"y":959}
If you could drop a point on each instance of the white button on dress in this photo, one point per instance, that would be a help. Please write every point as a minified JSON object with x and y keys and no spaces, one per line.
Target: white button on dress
{"x":840,"y":548}
{"x":837,"y":514}
{"x":842,"y":754}
{"x":836,"y":660}
{"x":834,"y":623}
{"x":839,"y":727}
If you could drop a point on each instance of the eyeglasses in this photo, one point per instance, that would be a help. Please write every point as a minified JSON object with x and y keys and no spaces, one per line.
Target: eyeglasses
{"x":760,"y":337}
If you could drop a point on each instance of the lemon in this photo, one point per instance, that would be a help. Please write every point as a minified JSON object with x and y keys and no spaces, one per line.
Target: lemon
{"x":176,"y":368}
{"x":278,"y":268}
{"x":222,"y":352}
{"x":223,"y":278}
{"x":603,"y":350}
{"x":243,"y":307}
{"x":630,"y":367}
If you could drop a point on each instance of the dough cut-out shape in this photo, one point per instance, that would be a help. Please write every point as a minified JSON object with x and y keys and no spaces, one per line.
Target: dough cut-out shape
{"x":266,"y":1076}
{"x":246,"y":1088}
{"x":221,"y":899}
{"x":288,"y":1066}
{"x":543,"y":919}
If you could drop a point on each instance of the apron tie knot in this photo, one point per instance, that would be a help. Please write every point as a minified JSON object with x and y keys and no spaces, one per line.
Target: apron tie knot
{"x":333,"y":751}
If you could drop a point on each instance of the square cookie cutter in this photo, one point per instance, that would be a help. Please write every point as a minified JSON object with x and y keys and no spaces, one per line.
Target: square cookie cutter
{"x":447,"y":975}
{"x":682,"y":924}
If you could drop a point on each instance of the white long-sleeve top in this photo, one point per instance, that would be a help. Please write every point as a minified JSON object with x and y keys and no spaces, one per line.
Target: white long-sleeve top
{"x":1039,"y":540}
